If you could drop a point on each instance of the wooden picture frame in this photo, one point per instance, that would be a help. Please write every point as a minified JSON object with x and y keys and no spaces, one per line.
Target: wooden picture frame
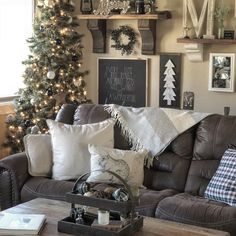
{"x":122,"y":81}
{"x":221,"y":72}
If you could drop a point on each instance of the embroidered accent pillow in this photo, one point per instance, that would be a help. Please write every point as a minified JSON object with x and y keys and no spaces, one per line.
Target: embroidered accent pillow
{"x":38,"y":149}
{"x":222,"y":186}
{"x":127,"y":164}
{"x":71,"y":157}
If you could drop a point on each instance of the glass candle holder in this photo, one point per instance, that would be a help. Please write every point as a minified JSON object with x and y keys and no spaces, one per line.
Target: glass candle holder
{"x":103,"y":217}
{"x":139,"y":7}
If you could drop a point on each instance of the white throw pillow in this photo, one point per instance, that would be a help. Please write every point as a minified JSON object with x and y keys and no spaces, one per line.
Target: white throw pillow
{"x":38,"y":149}
{"x":127,"y":164}
{"x":71,"y":157}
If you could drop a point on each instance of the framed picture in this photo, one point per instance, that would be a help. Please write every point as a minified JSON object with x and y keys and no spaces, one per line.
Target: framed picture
{"x":228,"y":34}
{"x":122,"y":81}
{"x":170,"y":76}
{"x":188,"y":100}
{"x":221,"y":72}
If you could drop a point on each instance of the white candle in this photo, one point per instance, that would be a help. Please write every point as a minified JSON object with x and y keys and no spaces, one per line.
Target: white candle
{"x":185,"y":13}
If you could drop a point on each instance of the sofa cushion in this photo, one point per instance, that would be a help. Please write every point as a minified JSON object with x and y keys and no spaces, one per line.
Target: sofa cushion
{"x":45,"y":188}
{"x":66,"y":114}
{"x":213,"y":136}
{"x":56,"y":189}
{"x":39,"y":162}
{"x":149,"y":200}
{"x":126,"y":163}
{"x":183,"y":144}
{"x":70,"y":146}
{"x":199,"y":175}
{"x":195,"y":210}
{"x":222,"y":186}
{"x":169,"y":171}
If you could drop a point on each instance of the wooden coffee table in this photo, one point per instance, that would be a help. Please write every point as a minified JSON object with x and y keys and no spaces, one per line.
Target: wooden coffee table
{"x":57,"y":210}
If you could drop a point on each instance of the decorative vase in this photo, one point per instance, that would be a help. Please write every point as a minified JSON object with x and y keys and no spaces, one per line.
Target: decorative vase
{"x":221,"y":32}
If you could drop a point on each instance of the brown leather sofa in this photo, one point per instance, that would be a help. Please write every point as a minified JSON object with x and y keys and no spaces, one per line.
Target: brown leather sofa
{"x":175,"y":184}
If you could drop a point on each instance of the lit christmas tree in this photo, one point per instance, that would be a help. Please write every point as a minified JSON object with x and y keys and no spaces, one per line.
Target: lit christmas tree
{"x":52,"y":75}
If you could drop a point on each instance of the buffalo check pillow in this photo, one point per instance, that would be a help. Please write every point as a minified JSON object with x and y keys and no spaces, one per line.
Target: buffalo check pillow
{"x":222,"y":186}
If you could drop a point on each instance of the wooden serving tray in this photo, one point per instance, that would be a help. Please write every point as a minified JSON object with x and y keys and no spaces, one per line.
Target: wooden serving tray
{"x":67,"y":225}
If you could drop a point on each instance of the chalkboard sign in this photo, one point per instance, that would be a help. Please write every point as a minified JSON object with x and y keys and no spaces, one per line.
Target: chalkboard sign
{"x":122,"y":82}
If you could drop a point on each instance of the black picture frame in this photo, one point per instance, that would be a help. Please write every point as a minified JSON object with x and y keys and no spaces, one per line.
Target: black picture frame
{"x":228,"y":34}
{"x":169,"y":96}
{"x":122,"y":81}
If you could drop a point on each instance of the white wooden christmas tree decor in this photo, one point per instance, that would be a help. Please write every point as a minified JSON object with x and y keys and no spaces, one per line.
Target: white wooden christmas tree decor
{"x":169,"y":94}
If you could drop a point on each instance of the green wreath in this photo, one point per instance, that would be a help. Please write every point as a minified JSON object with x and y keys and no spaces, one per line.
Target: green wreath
{"x":116,"y":37}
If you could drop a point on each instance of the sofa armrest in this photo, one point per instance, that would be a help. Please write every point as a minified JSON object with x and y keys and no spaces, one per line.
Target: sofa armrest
{"x":13,"y":175}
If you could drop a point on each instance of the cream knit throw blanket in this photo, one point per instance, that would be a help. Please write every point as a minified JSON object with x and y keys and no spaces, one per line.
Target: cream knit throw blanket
{"x":153,"y":128}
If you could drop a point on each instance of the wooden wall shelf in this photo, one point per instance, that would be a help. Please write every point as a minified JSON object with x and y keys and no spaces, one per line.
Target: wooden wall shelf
{"x":207,"y":41}
{"x":158,"y":16}
{"x":146,"y":26}
{"x":194,"y":47}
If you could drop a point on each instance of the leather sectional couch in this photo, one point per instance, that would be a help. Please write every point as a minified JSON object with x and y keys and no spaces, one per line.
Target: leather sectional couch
{"x":175,"y":184}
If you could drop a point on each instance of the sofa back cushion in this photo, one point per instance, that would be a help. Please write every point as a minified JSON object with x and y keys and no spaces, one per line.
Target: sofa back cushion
{"x":169,"y":171}
{"x":214,"y":134}
{"x":66,"y":114}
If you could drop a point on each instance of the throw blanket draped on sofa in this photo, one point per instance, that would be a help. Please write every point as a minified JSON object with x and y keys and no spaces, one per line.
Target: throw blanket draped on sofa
{"x":153,"y":128}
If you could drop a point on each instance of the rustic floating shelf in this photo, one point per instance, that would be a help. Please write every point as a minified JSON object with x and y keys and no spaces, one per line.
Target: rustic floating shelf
{"x":160,"y":16}
{"x":146,"y":25}
{"x":194,"y":47}
{"x":207,"y":41}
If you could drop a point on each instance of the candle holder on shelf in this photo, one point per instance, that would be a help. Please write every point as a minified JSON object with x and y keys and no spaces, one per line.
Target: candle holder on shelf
{"x":86,"y":6}
{"x":119,"y":210}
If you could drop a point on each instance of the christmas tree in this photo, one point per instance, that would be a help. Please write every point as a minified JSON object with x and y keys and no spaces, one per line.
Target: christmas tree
{"x":52,"y":75}
{"x":169,"y":94}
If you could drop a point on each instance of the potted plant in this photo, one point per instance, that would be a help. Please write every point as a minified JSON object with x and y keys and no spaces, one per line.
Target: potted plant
{"x":221,"y":13}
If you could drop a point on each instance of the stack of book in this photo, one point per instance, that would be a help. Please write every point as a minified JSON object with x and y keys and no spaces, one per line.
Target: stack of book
{"x":21,"y":224}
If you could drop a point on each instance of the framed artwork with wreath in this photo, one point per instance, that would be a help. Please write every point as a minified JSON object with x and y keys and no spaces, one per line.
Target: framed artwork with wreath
{"x":124,"y":39}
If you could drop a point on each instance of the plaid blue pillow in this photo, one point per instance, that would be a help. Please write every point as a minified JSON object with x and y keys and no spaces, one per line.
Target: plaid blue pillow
{"x":222,"y":186}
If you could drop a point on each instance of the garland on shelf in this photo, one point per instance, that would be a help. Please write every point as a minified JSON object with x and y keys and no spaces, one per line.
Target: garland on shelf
{"x":116,"y":36}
